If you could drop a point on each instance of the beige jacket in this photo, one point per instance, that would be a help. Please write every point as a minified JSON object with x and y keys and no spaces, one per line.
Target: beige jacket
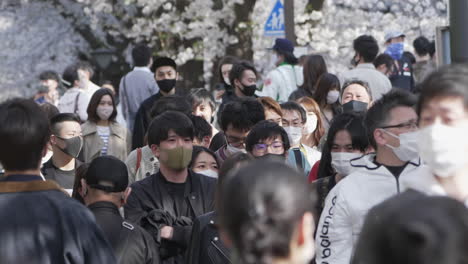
{"x":119,"y":141}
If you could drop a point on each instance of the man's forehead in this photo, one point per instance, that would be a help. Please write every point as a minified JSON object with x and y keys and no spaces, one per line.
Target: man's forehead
{"x":446,"y":104}
{"x":403,"y":113}
{"x":165,"y":69}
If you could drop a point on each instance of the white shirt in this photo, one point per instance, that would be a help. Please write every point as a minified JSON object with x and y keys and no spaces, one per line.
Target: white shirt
{"x":281,"y":82}
{"x":379,"y":84}
{"x":74,"y":101}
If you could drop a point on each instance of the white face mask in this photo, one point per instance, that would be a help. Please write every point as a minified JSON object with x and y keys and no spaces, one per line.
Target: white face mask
{"x":294,"y":134}
{"x":227,"y":81}
{"x":311,"y":124}
{"x":104,"y":112}
{"x":408,"y":149}
{"x":233,"y":150}
{"x":209,"y":173}
{"x":341,"y":162}
{"x":333,"y":96}
{"x":442,"y":149}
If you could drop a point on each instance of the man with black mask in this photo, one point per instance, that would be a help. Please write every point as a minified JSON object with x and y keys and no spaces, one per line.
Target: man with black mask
{"x":243,"y":78}
{"x":66,"y":142}
{"x":166,"y":75}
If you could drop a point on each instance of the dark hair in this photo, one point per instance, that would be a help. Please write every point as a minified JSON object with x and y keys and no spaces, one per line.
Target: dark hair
{"x":141,"y":55}
{"x":264,"y":130}
{"x":69,"y":76}
{"x":94,"y":103}
{"x":366,"y":46}
{"x":409,"y":56}
{"x":384,"y":59}
{"x":198,"y":96}
{"x":289,"y":57}
{"x":293,"y":106}
{"x":197,"y":150}
{"x":379,"y":113}
{"x":171,"y":103}
{"x":362,"y":83}
{"x":325,"y":83}
{"x":171,"y":120}
{"x":80,"y":173}
{"x":201,"y":127}
{"x":448,"y":81}
{"x":49,"y":75}
{"x":24,"y":133}
{"x":85,"y":66}
{"x":56,"y":120}
{"x":238,"y":69}
{"x":163,"y":61}
{"x":49,"y":109}
{"x":412,"y":228}
{"x":353,"y":123}
{"x":272,"y":199}
{"x":421,"y":46}
{"x":314,"y":67}
{"x":226,"y":60}
{"x":242,"y":113}
{"x":432,"y":48}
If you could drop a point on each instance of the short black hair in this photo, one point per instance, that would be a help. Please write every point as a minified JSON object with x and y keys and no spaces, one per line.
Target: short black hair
{"x":60,"y":118}
{"x":141,"y":55}
{"x":264,"y":130}
{"x":49,"y":109}
{"x":293,"y":106}
{"x":421,"y":45}
{"x":384,"y":59}
{"x":366,"y":46}
{"x":94,"y":103}
{"x":70,"y":75}
{"x":238,"y":69}
{"x":241,"y":113}
{"x":163,"y":61}
{"x":171,"y":120}
{"x":447,"y":81}
{"x":379,"y":113}
{"x":226,"y":60}
{"x":85,"y":66}
{"x":24,"y":133}
{"x":49,"y":75}
{"x":201,"y":127}
{"x":170,"y":103}
{"x":198,"y":96}
{"x":289,"y":57}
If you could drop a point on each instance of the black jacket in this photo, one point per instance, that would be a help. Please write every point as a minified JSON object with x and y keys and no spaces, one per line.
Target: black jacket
{"x":151,"y":206}
{"x":142,"y":120}
{"x":206,"y":246}
{"x":131,"y":243}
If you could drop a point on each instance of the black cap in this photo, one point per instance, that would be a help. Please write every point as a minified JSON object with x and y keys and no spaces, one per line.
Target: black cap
{"x":282,"y":44}
{"x":107,"y":173}
{"x":163,"y":61}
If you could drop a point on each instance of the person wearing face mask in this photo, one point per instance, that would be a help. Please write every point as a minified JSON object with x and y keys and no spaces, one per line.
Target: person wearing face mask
{"x":287,"y":76}
{"x":366,"y":49}
{"x":165,"y":203}
{"x":204,"y":162}
{"x":294,"y":121}
{"x":355,"y":96}
{"x":442,"y":142}
{"x":391,"y":124}
{"x":268,"y":139}
{"x":224,"y":88}
{"x":236,"y":120}
{"x":243,"y":79}
{"x":166,"y":75}
{"x":326,"y":95}
{"x":402,"y":74}
{"x":102,"y":135}
{"x":346,"y":140}
{"x":314,"y":130}
{"x":66,"y":142}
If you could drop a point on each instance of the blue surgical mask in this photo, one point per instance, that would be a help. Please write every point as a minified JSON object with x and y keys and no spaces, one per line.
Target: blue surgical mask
{"x":395,"y":50}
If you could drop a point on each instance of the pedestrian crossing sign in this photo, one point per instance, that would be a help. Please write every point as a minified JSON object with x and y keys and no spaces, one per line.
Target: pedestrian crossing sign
{"x":274,"y":25}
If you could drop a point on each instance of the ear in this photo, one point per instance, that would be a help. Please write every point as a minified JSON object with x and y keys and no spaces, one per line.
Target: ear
{"x":127,"y":194}
{"x":206,"y":141}
{"x":84,"y":188}
{"x":156,"y":150}
{"x":53,"y":140}
{"x":379,"y":137}
{"x":237,"y":83}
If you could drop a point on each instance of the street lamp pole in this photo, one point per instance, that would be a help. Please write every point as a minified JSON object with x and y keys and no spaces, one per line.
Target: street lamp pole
{"x":289,"y":20}
{"x":458,"y":30}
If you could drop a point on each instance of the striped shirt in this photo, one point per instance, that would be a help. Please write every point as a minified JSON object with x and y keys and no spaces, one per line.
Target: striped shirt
{"x":104,"y":133}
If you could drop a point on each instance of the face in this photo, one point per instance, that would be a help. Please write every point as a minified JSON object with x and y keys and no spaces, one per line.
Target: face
{"x":449,"y":111}
{"x":402,"y":120}
{"x":292,"y":118}
{"x":271,"y":115}
{"x":51,"y":84}
{"x":343,"y":143}
{"x":204,"y":110}
{"x":236,"y":137}
{"x":204,"y":161}
{"x":106,"y":100}
{"x":273,"y":145}
{"x":165,"y":73}
{"x":67,"y":129}
{"x":173,"y":141}
{"x":355,"y":92}
{"x":225,"y":70}
{"x":248,"y":78}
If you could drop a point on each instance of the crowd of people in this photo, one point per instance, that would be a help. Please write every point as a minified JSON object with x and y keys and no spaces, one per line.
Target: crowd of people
{"x":301,"y":166}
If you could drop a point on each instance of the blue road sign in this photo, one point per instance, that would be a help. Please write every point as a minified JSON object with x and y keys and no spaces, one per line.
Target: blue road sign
{"x":274,"y":25}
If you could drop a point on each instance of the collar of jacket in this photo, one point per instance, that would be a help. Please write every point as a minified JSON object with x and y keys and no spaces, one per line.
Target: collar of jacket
{"x":367,"y":162}
{"x":29,"y":186}
{"x":104,"y":205}
{"x":115,"y":129}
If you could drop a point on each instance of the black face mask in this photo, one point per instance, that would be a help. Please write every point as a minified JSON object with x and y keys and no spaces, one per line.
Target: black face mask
{"x":354,"y":106}
{"x":249,"y":90}
{"x":166,"y":85}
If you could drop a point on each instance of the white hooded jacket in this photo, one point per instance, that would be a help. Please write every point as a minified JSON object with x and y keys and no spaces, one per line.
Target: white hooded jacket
{"x":281,"y":82}
{"x":348,"y":203}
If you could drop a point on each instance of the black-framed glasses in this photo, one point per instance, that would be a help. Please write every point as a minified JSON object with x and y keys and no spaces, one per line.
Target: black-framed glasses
{"x":406,"y":125}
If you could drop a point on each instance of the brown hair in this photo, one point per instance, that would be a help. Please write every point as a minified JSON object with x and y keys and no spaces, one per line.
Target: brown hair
{"x":312,"y":106}
{"x":270,"y":104}
{"x":94,"y":102}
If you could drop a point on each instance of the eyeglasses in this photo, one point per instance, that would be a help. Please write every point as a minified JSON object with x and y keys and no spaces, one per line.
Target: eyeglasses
{"x":406,"y":125}
{"x":276,"y":146}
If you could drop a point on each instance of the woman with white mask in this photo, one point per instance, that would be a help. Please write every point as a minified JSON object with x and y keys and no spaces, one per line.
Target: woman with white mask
{"x":102,"y":135}
{"x":314,"y":130}
{"x":347,"y":139}
{"x":204,"y":162}
{"x":327,"y":94}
